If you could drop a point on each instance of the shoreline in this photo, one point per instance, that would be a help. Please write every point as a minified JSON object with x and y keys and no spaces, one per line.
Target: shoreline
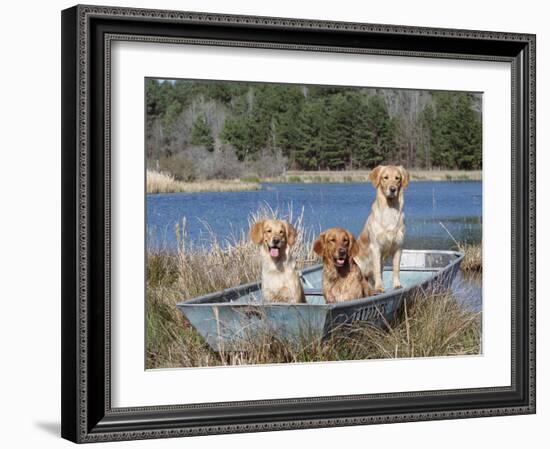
{"x":158,"y":182}
{"x":327,"y":176}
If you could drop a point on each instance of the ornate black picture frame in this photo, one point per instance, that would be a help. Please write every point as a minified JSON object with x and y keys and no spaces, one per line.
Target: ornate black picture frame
{"x":87,"y":34}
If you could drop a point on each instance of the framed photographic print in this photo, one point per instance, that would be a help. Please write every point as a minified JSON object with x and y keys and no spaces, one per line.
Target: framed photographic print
{"x":283,"y":223}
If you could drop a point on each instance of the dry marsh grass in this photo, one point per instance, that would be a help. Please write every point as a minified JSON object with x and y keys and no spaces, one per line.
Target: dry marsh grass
{"x":434,"y":325}
{"x":160,"y":182}
{"x":328,"y":176}
{"x":472,"y":261}
{"x":473,"y":257}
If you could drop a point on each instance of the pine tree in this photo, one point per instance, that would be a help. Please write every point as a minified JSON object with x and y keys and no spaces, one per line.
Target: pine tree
{"x":456,"y":132}
{"x":169,"y":121}
{"x":381,"y":128}
{"x":307,"y":153}
{"x":287,"y":133}
{"x":426,"y":123}
{"x":469,"y":129}
{"x":443,"y":154}
{"x":238,"y":131}
{"x":336,"y":134}
{"x":364,"y":153}
{"x":202,"y":134}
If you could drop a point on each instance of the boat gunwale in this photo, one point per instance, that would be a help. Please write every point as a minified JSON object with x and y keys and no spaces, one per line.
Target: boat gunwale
{"x":373,"y":299}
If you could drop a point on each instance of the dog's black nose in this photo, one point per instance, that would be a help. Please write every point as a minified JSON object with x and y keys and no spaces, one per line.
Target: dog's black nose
{"x":276,"y":241}
{"x":393,"y":189}
{"x":342,"y":251}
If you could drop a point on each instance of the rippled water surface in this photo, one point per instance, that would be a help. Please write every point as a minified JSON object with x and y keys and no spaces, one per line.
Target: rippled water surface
{"x":457,"y":205}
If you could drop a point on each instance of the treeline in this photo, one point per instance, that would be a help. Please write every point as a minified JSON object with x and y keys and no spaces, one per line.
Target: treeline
{"x":198,"y":129}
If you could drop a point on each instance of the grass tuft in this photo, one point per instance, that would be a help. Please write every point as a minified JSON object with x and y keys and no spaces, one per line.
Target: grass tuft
{"x":472,"y":261}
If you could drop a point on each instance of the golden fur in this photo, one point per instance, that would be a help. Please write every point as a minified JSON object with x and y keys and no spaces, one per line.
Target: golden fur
{"x":280,"y":280}
{"x":342,"y":278}
{"x":384,"y":231}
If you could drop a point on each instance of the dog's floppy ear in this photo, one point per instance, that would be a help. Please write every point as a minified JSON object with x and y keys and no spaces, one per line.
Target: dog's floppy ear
{"x":291,"y":233}
{"x":257,"y":231}
{"x":404,"y":176}
{"x":374,"y":175}
{"x":353,"y":245}
{"x":319,"y":245}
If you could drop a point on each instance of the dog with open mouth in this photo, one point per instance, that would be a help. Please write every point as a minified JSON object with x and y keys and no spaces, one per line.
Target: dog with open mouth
{"x":342,"y":277}
{"x":280,"y":280}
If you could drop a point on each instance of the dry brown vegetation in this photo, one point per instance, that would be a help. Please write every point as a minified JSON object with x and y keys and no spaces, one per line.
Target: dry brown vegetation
{"x":472,"y":261}
{"x":325,"y":176}
{"x":162,"y":182}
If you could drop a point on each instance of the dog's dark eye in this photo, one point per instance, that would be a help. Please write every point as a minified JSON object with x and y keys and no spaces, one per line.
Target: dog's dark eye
{"x":397,"y":178}
{"x":269,"y":231}
{"x":386,"y":177}
{"x":281,"y":232}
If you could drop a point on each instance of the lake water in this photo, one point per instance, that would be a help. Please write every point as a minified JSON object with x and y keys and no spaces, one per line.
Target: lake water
{"x":458,"y":205}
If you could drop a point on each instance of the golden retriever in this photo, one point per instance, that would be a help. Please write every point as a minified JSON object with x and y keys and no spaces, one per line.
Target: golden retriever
{"x":384,"y":231}
{"x":342,"y":278}
{"x":280,"y":280}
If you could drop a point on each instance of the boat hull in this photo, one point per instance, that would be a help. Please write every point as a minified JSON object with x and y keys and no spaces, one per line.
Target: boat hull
{"x":233,"y":319}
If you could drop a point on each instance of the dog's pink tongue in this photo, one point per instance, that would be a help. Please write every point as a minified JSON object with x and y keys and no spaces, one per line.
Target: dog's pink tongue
{"x":274,"y":252}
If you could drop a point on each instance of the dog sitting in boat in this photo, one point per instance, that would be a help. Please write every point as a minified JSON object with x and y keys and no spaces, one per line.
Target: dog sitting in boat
{"x":342,"y":278}
{"x":384,"y":231}
{"x":280,"y":280}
